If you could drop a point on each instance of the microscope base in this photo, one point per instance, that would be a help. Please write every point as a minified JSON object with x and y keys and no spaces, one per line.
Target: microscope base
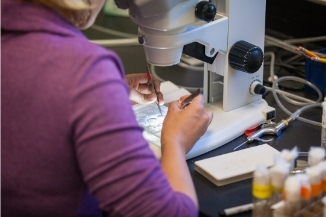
{"x":225,"y":127}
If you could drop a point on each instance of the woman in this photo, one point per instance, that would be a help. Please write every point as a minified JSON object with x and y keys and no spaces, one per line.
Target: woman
{"x":70,"y":143}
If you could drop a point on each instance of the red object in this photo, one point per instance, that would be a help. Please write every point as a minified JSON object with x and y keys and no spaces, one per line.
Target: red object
{"x":149,"y":76}
{"x":249,"y":131}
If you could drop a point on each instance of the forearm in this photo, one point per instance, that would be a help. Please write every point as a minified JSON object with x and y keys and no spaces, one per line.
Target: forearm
{"x":175,"y":167}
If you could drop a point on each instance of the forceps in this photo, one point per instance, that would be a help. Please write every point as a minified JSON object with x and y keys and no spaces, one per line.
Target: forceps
{"x":188,"y":100}
{"x":151,"y":82}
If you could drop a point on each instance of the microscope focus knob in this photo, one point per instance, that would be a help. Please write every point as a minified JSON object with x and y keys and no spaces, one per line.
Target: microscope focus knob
{"x":205,"y":11}
{"x":245,"y":57}
{"x":256,"y":88}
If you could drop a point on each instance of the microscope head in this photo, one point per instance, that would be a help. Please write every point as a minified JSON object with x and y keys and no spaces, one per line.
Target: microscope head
{"x":163,"y":27}
{"x":161,"y":47}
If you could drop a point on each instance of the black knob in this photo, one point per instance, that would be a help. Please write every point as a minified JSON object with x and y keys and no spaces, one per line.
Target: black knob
{"x":205,"y":11}
{"x":257,"y":88}
{"x":245,"y":57}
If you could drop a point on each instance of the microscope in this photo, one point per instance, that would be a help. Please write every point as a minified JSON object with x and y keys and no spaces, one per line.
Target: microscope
{"x":228,"y":36}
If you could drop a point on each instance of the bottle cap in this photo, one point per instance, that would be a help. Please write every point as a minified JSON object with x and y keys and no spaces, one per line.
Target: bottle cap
{"x":316,"y":155}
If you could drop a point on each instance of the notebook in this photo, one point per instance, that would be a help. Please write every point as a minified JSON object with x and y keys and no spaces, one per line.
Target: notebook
{"x":237,"y":165}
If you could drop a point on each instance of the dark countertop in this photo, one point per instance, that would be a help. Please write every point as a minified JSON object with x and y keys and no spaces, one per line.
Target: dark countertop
{"x":213,"y":199}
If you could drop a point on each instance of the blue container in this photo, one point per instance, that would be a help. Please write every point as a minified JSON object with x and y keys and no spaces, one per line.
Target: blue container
{"x":315,"y":72}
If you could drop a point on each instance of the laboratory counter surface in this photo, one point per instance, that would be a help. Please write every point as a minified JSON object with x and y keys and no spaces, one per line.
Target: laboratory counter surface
{"x":214,"y":199}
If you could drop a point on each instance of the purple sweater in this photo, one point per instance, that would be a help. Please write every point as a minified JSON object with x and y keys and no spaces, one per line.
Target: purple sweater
{"x":68,"y":129}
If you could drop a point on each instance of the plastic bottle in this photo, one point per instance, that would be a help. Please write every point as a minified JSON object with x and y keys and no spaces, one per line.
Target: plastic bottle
{"x":305,"y":192}
{"x":322,"y":166}
{"x":314,"y":174}
{"x":278,"y":173}
{"x":292,"y":189}
{"x":261,"y":191}
{"x":323,"y":125}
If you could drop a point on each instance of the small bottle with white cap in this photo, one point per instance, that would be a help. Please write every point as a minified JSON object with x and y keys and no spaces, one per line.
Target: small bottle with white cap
{"x":314,"y":174}
{"x":261,"y":191}
{"x":322,"y":167}
{"x":305,"y":189}
{"x":323,"y":125}
{"x":292,"y":189}
{"x":278,"y":173}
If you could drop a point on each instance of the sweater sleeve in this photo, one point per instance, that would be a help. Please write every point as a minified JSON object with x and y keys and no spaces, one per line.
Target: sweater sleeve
{"x":115,"y":160}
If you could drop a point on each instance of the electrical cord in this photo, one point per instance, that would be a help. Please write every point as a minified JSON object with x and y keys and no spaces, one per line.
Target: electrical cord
{"x":289,"y":97}
{"x":302,"y":81}
{"x":284,"y":87}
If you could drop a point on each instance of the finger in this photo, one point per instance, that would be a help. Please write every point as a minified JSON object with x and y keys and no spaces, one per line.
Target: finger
{"x":142,"y":78}
{"x":145,"y":89}
{"x":149,"y":98}
{"x":210,"y":116}
{"x":138,"y":78}
{"x":183,"y":98}
{"x":160,"y":98}
{"x":197,"y":100}
{"x":173,"y":106}
{"x":141,"y":98}
{"x":157,"y":84}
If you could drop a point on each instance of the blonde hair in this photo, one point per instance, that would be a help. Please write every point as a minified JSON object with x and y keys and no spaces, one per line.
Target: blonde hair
{"x":74,"y":5}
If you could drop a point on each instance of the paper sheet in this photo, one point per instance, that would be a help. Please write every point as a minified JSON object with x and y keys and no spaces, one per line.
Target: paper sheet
{"x":149,"y":117}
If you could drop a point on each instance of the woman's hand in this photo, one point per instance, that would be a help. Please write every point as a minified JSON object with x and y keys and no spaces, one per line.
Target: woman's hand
{"x":181,"y":130}
{"x":141,"y":91}
{"x":183,"y":127}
